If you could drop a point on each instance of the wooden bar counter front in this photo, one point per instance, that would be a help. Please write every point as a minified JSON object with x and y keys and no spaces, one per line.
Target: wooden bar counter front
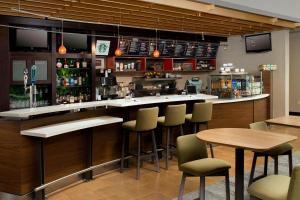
{"x":68,"y":153}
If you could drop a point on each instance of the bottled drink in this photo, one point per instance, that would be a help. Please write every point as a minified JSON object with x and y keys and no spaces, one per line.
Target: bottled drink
{"x":58,"y":64}
{"x":72,"y":63}
{"x":79,"y":80}
{"x":66,"y":64}
{"x":77,"y":64}
{"x":84,"y":63}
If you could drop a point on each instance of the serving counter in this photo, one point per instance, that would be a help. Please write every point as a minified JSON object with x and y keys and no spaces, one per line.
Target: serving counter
{"x":69,"y":152}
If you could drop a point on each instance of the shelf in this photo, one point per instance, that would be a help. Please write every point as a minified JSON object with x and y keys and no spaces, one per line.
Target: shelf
{"x":74,"y":55}
{"x":74,"y":68}
{"x":74,"y":86}
{"x":157,"y":79}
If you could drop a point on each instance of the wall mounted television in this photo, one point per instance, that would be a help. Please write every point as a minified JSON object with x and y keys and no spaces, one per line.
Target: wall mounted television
{"x":30,"y":40}
{"x":258,"y":43}
{"x":75,"y":42}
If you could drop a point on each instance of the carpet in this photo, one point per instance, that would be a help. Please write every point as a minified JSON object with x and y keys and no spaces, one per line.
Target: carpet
{"x":217,"y":191}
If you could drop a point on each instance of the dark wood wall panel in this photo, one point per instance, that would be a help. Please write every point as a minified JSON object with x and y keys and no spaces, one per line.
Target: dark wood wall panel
{"x":4,"y":68}
{"x":261,"y":110}
{"x":232,"y":115}
{"x":65,"y":154}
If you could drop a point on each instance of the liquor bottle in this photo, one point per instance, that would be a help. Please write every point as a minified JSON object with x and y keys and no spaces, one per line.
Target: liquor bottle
{"x":83,"y":80}
{"x":75,"y":79}
{"x":72,"y":63}
{"x":77,"y":63}
{"x":72,"y":98}
{"x":58,"y":64}
{"x":79,"y":80}
{"x":66,"y":64}
{"x":71,"y":80}
{"x":84,"y":63}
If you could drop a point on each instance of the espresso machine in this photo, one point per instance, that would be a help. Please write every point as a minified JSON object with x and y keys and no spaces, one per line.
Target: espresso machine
{"x":108,"y":88}
{"x":193,"y":85}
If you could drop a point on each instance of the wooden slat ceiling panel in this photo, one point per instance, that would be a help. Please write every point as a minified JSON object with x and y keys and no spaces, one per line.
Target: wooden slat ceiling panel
{"x":146,"y":14}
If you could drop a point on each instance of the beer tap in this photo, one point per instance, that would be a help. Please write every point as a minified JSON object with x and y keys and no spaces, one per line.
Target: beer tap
{"x":32,"y":87}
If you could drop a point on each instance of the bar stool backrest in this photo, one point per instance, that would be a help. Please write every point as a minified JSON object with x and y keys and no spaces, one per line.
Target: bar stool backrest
{"x":146,"y":119}
{"x":202,"y":112}
{"x":175,"y":115}
{"x":262,"y":126}
{"x":190,"y":148}
{"x":294,"y":188}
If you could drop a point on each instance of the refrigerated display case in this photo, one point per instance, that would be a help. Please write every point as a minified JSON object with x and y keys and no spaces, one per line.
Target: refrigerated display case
{"x":234,"y":85}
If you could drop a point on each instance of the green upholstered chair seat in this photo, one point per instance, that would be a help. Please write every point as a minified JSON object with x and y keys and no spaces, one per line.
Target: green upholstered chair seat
{"x":161,"y":120}
{"x":204,"y":166}
{"x":273,"y":187}
{"x":188,"y":117}
{"x":129,"y":125}
{"x":280,"y":149}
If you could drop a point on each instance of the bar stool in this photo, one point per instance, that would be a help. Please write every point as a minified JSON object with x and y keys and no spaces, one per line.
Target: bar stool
{"x":202,"y":114}
{"x":284,"y":149}
{"x":174,"y":116}
{"x":146,"y":121}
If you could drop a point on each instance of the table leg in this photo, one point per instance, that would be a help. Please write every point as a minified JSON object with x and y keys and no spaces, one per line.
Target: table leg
{"x":239,"y":174}
{"x":40,"y":195}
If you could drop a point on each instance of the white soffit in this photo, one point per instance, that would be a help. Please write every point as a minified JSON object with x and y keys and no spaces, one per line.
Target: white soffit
{"x":284,"y":9}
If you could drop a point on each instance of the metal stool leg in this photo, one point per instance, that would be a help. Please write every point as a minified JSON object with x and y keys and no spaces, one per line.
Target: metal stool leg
{"x":138,"y":155}
{"x":167,"y":148}
{"x":227,"y":185}
{"x":252,"y":168}
{"x":181,"y":188}
{"x":123,"y":151}
{"x":155,"y":151}
{"x":275,"y":164}
{"x":181,"y":130}
{"x":266,"y":166}
{"x":202,"y":188}
{"x":290,"y":155}
{"x":211,"y":151}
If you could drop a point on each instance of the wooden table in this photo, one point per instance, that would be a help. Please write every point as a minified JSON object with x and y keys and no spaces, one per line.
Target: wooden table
{"x":242,"y":139}
{"x":292,"y":121}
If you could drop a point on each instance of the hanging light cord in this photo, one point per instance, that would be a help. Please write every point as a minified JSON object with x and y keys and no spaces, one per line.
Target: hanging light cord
{"x":62,"y":31}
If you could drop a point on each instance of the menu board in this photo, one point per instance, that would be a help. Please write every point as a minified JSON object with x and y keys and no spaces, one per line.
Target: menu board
{"x":180,"y":49}
{"x":124,"y":45}
{"x":168,"y":48}
{"x":190,"y":49}
{"x":206,"y":50}
{"x":144,"y":48}
{"x":134,"y":47}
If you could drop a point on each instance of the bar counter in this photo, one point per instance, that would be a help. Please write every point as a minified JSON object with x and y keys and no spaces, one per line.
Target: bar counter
{"x":68,"y":153}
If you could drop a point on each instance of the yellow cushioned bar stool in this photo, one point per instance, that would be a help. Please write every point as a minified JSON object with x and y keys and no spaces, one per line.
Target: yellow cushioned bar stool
{"x":193,"y":161}
{"x":146,"y":121}
{"x":174,"y":116}
{"x":277,"y":187}
{"x":202,"y":114}
{"x":284,"y":149}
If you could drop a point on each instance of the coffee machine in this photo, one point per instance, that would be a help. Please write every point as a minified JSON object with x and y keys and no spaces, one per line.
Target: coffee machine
{"x":108,"y":87}
{"x":193,"y":85}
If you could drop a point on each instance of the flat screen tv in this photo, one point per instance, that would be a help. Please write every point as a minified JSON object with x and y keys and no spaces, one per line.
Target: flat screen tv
{"x":258,"y":43}
{"x":75,"y":42}
{"x":30,"y":39}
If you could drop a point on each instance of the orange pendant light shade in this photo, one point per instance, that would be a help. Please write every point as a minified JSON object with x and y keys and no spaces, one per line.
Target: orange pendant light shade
{"x":118,"y":52}
{"x":62,"y":49}
{"x":156,"y":53}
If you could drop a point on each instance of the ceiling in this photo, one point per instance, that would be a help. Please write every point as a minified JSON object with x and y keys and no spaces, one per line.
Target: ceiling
{"x":279,"y":8}
{"x":173,"y":15}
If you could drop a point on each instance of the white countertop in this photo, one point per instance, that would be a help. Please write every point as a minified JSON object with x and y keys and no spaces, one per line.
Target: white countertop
{"x":161,"y":99}
{"x":255,"y":97}
{"x":27,"y":112}
{"x":66,"y":127}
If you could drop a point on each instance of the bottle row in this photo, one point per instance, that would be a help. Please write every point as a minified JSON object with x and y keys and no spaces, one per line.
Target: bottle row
{"x":78,"y":96}
{"x":74,"y":79}
{"x":72,"y":63}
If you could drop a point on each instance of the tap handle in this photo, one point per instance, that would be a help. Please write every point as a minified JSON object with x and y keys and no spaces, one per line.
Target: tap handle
{"x":25,"y":77}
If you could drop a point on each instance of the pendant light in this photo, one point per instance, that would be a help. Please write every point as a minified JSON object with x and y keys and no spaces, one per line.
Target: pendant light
{"x":118,"y":51}
{"x":156,"y":53}
{"x":62,"y":49}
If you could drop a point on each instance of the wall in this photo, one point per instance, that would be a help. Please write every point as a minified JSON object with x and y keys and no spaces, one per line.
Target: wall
{"x":279,"y":55}
{"x":294,"y":71}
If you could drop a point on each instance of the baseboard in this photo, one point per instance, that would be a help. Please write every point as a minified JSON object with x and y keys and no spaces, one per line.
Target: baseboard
{"x":295,"y":113}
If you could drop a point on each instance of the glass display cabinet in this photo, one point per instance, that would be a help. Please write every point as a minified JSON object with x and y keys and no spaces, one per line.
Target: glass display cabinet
{"x":234,"y":85}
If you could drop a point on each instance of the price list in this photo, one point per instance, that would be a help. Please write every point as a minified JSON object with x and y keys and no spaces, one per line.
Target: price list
{"x":134,"y":47}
